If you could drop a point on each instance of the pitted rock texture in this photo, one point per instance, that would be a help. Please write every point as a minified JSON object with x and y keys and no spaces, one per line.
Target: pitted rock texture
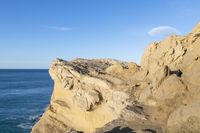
{"x":162,"y":95}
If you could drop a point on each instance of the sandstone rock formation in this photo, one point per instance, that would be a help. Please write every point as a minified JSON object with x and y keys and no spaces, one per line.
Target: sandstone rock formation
{"x":162,"y":95}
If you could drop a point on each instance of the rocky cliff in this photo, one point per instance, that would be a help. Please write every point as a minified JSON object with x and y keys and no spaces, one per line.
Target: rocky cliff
{"x":162,"y":95}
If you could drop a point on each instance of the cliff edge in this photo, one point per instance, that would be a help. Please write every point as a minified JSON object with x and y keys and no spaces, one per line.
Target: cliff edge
{"x":162,"y":95}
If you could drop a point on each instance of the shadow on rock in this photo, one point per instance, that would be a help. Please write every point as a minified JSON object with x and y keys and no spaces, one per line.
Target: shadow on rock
{"x":121,"y":130}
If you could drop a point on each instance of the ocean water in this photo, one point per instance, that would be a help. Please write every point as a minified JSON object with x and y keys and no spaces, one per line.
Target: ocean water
{"x":24,"y":95}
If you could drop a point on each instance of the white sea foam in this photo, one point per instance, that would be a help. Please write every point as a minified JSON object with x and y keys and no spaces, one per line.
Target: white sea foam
{"x":34,"y":117}
{"x":25,"y":125}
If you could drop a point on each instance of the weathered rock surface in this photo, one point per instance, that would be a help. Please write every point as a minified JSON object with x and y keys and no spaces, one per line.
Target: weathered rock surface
{"x":110,"y":96}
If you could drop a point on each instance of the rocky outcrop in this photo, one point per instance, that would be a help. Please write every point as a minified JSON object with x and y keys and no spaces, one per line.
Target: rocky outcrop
{"x":162,"y":95}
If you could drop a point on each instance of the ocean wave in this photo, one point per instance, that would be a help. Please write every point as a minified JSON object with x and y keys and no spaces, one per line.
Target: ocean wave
{"x":25,"y":125}
{"x":34,"y":117}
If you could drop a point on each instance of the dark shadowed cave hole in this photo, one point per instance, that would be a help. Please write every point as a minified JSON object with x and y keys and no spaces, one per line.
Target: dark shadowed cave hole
{"x":177,"y":72}
{"x":121,"y":130}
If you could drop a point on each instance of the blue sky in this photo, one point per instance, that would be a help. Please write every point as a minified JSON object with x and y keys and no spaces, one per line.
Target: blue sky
{"x":35,"y":32}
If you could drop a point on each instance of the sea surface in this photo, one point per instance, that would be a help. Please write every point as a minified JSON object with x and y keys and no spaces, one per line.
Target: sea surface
{"x":24,"y":95}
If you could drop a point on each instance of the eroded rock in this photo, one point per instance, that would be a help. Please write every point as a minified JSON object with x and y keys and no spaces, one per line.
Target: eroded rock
{"x":104,"y":95}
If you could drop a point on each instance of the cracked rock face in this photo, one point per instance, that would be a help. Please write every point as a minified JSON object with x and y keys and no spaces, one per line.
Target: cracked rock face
{"x":104,"y":95}
{"x":85,"y":95}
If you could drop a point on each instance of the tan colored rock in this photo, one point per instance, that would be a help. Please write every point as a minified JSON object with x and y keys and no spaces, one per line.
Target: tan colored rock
{"x":132,"y":66}
{"x":160,"y":75}
{"x":86,"y":99}
{"x":115,"y":69}
{"x":169,"y":88}
{"x":104,"y":95}
{"x":196,"y":28}
{"x":81,"y":95}
{"x":185,"y":119}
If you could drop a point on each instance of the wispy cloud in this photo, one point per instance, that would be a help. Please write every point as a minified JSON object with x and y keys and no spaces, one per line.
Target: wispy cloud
{"x":60,"y":28}
{"x":163,"y":31}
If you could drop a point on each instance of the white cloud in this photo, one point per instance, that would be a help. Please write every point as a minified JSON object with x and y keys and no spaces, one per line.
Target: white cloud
{"x":60,"y":28}
{"x":163,"y":31}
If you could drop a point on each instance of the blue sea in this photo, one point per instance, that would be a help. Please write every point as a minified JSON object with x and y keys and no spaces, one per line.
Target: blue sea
{"x":24,"y":95}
